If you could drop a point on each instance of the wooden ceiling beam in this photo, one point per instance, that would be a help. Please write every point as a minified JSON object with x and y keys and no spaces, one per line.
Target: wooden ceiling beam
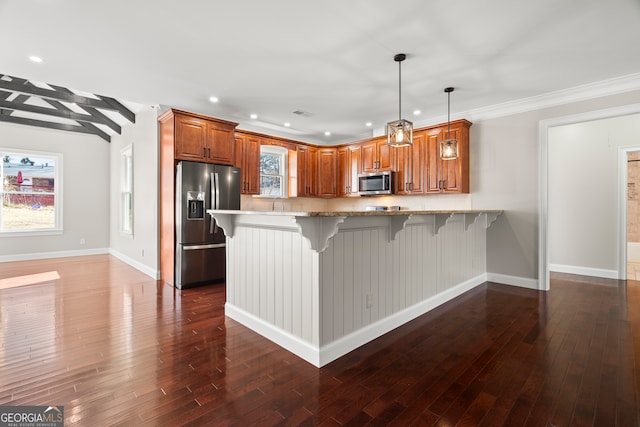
{"x":60,"y":111}
{"x":6,"y":116}
{"x":23,"y":86}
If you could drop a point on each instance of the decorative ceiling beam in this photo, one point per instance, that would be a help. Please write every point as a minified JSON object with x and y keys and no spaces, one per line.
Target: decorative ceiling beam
{"x":23,"y":86}
{"x":94,"y":129}
{"x":5,"y":116}
{"x":59,"y":110}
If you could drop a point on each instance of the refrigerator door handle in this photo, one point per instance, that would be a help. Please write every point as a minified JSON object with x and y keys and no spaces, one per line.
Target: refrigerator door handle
{"x":215,"y":201}
{"x":210,"y":246}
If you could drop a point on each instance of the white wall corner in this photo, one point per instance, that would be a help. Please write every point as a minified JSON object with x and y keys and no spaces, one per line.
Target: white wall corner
{"x":149,"y":271}
{"x":523,"y":282}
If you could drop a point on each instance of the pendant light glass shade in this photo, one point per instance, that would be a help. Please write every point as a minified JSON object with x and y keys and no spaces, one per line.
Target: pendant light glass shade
{"x":400,"y":132}
{"x":449,"y":146}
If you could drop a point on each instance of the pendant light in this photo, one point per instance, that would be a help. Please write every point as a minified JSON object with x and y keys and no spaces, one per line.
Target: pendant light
{"x":400,"y":132}
{"x":449,"y":146}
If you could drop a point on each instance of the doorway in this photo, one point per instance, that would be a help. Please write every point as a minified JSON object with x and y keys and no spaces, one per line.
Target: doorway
{"x":633,"y":214}
{"x":543,"y":220}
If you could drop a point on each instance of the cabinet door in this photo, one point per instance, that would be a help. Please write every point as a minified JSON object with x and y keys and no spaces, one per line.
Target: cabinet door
{"x":369,"y":156}
{"x":356,"y":168}
{"x":251,"y":171}
{"x":449,"y":169}
{"x":219,"y":145}
{"x":403,"y":170}
{"x":247,"y":158}
{"x":307,"y":171}
{"x":327,"y":172}
{"x":344,"y":172}
{"x":433,"y":184}
{"x":418,"y":164}
{"x":190,"y":138}
{"x":385,"y":155}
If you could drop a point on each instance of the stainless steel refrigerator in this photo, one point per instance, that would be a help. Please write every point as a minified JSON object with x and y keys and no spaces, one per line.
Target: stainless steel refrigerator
{"x":200,"y":243}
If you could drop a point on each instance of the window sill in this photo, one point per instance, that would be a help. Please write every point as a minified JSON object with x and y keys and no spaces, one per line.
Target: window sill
{"x":23,"y":233}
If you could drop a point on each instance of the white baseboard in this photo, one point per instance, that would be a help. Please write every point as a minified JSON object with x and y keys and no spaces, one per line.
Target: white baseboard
{"x":330,"y":352}
{"x":56,"y":254}
{"x":154,"y":274}
{"x":504,"y":279}
{"x":633,"y":252}
{"x":584,"y":271}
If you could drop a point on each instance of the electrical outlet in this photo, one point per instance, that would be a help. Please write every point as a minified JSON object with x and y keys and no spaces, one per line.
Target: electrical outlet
{"x":143,"y":252}
{"x":82,"y":240}
{"x":369,"y":300}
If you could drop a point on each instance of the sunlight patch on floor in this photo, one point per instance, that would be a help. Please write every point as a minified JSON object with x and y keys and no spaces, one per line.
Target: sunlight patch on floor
{"x":30,"y":279}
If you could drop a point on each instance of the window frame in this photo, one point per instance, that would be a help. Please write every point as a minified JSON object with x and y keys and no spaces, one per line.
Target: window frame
{"x":283,"y":153}
{"x":126,"y":191}
{"x":57,"y":192}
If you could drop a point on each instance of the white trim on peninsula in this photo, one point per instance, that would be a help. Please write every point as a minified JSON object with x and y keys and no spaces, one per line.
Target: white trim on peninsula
{"x":345,"y":278}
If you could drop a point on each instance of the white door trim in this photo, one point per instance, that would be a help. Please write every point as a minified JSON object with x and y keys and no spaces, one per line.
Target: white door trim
{"x":543,"y":191}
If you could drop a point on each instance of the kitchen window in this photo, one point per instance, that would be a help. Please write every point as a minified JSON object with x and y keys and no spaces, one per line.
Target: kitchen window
{"x":31,"y":192}
{"x":273,"y":171}
{"x":126,"y":191}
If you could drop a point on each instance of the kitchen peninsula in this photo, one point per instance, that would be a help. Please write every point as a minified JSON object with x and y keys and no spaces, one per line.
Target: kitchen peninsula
{"x":321,"y":284}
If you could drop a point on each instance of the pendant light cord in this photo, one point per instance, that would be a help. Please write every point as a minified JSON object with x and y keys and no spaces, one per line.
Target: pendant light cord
{"x":399,"y":90}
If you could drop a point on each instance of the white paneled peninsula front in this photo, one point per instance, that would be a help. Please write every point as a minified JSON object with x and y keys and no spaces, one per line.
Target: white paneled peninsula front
{"x":321,"y":284}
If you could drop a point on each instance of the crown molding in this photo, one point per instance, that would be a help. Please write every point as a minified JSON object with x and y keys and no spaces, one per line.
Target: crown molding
{"x":585,"y":92}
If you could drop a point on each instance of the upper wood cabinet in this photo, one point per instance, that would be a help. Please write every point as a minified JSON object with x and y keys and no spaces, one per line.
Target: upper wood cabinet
{"x":327,"y":172}
{"x":377,"y":155}
{"x":448,"y":176}
{"x":307,"y":168}
{"x":247,"y":158}
{"x":349,"y":166}
{"x":200,"y":138}
{"x":411,"y":163}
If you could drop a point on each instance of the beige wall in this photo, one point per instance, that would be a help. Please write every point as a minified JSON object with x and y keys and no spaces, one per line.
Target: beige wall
{"x":85,"y":182}
{"x":141,"y":248}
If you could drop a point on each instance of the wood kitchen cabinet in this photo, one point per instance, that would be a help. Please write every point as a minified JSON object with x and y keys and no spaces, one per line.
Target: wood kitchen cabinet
{"x":349,"y":166}
{"x":307,"y":170}
{"x":448,"y":176}
{"x":377,"y":155}
{"x":202,"y":139}
{"x":247,"y":158}
{"x":411,"y":165}
{"x":327,"y":172}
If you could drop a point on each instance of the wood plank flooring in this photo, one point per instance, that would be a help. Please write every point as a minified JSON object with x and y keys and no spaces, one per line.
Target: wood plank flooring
{"x":116,"y":348}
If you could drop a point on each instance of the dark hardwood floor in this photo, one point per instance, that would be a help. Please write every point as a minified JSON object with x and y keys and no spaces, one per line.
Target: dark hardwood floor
{"x":116,"y":348}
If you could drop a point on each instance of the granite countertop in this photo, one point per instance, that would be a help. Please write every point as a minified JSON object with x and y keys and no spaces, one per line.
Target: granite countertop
{"x":353,"y":213}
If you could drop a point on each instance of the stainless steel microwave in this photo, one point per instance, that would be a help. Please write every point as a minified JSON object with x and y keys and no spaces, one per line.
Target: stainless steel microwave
{"x":375,"y":183}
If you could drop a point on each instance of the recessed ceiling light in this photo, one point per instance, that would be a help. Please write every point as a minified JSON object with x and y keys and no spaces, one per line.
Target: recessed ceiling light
{"x":254,"y":116}
{"x":327,"y":133}
{"x":416,"y":112}
{"x":35,"y":59}
{"x":287,"y":124}
{"x":368,"y":124}
{"x":213,"y":99}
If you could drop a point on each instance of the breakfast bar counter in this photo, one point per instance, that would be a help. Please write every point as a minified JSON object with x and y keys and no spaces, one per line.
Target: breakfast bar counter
{"x":321,"y":284}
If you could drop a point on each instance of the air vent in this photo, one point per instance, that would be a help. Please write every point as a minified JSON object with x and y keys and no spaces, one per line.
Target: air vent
{"x":303,"y":113}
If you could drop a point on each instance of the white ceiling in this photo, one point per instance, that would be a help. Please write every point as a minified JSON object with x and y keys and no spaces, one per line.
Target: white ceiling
{"x":330,"y":58}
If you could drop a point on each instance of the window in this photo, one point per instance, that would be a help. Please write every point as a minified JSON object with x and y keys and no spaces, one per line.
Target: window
{"x":126,"y":190}
{"x":273,"y":171}
{"x":31,"y":192}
